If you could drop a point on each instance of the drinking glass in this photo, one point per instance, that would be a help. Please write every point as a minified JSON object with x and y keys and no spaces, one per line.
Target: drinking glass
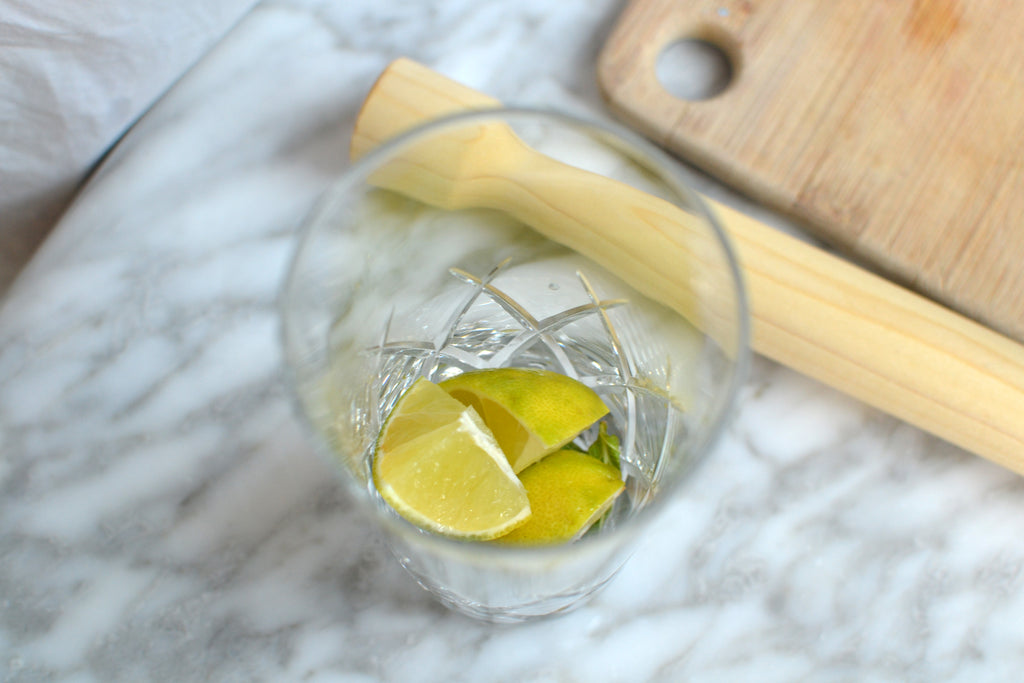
{"x":385,"y":288}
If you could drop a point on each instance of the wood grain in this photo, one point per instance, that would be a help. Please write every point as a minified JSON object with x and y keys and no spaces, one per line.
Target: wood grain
{"x":894,"y":130}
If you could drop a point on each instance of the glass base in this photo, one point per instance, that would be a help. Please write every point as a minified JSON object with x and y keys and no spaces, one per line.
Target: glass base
{"x":545,"y":607}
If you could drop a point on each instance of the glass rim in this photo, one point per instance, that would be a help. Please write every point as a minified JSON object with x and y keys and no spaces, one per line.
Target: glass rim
{"x":642,"y":152}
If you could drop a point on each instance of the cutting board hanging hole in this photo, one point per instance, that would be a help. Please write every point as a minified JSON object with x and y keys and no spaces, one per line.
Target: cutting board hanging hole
{"x":694,"y":69}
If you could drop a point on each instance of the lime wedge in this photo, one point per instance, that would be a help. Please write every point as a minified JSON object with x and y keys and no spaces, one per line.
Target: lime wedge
{"x":568,"y":492}
{"x":530,"y":412}
{"x":439,"y":466}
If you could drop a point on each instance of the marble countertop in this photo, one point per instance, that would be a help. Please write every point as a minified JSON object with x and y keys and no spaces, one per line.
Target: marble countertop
{"x":163,"y":517}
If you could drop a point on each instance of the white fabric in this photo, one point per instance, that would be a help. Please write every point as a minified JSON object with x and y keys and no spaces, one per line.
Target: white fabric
{"x":74,"y":75}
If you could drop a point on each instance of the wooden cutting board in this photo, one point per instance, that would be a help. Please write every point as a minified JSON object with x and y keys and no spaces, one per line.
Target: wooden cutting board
{"x":894,"y":129}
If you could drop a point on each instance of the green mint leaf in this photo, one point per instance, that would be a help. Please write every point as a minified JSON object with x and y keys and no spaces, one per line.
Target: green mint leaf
{"x":605,"y":447}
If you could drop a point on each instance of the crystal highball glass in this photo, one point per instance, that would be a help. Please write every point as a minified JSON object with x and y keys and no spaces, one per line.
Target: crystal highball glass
{"x":384,"y":289}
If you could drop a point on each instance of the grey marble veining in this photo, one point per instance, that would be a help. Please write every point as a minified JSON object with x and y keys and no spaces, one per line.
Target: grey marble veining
{"x":163,"y":517}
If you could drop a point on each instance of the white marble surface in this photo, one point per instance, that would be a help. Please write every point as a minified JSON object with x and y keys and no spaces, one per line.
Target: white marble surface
{"x":162,"y":516}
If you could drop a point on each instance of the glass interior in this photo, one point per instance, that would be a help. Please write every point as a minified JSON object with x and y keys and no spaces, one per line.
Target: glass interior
{"x":386,"y":288}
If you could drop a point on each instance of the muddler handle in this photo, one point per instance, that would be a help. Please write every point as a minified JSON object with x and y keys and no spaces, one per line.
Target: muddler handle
{"x":811,"y":311}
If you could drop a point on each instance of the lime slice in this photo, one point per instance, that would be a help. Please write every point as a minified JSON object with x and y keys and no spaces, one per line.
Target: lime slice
{"x":438,"y":465}
{"x":531,"y":412}
{"x":568,"y":492}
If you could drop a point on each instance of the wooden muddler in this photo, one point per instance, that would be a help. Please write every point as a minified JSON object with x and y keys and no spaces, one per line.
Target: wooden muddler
{"x":811,"y":311}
